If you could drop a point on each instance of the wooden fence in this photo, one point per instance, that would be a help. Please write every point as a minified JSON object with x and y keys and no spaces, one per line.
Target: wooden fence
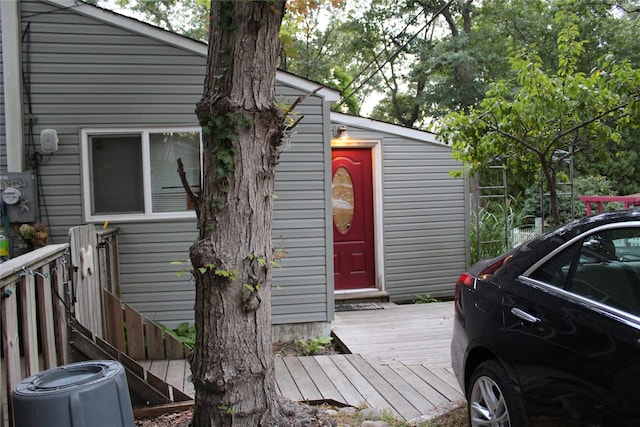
{"x":135,"y":335}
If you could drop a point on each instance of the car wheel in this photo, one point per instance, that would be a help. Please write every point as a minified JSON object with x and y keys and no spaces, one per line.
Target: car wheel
{"x":492,"y":397}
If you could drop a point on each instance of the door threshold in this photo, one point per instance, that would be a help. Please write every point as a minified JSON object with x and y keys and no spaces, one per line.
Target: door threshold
{"x":366,"y":295}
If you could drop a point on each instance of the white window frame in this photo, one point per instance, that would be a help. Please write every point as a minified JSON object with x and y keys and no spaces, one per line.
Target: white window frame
{"x":148,"y":214}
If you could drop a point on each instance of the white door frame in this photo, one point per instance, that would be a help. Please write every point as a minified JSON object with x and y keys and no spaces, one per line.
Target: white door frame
{"x":378,"y":223}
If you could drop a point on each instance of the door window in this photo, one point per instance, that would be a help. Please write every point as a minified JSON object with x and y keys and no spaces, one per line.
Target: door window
{"x":343,"y":199}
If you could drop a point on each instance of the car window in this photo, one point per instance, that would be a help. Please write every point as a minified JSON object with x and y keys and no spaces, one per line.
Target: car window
{"x":556,"y":271}
{"x":608,"y":269}
{"x":604,"y":267}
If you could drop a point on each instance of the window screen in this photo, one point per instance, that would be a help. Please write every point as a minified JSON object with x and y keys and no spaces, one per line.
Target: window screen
{"x":117,"y":182}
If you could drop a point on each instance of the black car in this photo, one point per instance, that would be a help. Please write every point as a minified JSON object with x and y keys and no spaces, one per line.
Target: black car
{"x":549,"y":333}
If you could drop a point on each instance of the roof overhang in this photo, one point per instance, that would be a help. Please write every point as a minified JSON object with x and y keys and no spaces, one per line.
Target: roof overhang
{"x":378,"y":126}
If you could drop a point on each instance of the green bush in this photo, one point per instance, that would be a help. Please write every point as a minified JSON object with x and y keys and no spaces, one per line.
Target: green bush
{"x":314,"y":345}
{"x":490,"y":229}
{"x":185,"y":333}
{"x":591,"y":185}
{"x":424,"y":299}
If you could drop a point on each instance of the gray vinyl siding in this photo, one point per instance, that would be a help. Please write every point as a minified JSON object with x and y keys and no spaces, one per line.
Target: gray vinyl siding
{"x":3,"y":137}
{"x":424,"y":216}
{"x":424,"y":220}
{"x":86,"y":73}
{"x":300,"y":287}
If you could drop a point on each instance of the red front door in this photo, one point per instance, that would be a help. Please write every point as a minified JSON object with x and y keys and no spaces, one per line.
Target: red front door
{"x":353,"y":238}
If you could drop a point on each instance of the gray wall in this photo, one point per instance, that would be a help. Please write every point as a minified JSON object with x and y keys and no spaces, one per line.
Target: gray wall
{"x":87,"y":74}
{"x":424,"y":220}
{"x":3,"y":148}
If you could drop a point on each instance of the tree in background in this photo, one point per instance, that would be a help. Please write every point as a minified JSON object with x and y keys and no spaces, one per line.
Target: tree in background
{"x":604,"y":26}
{"x":316,"y":43}
{"x":399,"y":41}
{"x":535,"y":121}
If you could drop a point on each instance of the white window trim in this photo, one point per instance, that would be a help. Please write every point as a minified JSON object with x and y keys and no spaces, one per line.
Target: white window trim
{"x":146,"y":170}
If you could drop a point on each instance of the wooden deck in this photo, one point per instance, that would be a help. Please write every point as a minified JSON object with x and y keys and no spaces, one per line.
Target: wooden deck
{"x":400,"y":363}
{"x":411,"y":334}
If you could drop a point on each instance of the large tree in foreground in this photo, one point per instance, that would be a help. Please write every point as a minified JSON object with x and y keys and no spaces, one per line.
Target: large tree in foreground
{"x":533,"y":123}
{"x":232,"y":362}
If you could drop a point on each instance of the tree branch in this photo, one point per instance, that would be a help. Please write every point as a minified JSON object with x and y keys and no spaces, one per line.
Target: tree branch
{"x":561,"y":135}
{"x":523,"y":142}
{"x":300,"y":99}
{"x":193,"y":198}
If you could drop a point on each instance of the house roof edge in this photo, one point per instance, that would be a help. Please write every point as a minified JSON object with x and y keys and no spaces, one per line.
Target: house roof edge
{"x":377,"y":125}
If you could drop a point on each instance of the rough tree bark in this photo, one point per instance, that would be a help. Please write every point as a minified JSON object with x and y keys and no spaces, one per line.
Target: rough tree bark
{"x":232,"y":362}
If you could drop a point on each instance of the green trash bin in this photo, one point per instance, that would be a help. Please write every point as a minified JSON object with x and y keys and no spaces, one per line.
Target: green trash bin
{"x":84,"y":394}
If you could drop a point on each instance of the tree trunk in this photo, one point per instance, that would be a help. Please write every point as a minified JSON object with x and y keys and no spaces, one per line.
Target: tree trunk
{"x":232,"y":362}
{"x":550,"y":177}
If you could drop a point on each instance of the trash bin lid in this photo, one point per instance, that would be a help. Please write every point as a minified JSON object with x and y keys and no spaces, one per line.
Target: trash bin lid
{"x":68,"y":376}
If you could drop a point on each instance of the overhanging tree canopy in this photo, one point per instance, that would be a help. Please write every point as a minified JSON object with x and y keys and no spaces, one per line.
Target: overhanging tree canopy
{"x":533,"y":122}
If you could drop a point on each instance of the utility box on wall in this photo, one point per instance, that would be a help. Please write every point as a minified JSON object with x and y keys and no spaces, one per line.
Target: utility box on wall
{"x":18,"y":196}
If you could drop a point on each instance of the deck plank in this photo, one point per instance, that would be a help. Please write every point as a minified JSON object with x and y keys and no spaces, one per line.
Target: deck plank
{"x":372,"y":397}
{"x":405,"y":388}
{"x":286,"y":384}
{"x":396,"y":403}
{"x":448,"y":390}
{"x":421,"y":385}
{"x":348,"y":392}
{"x":176,"y":374}
{"x":320,"y":379}
{"x":305,"y":384}
{"x":412,"y":334}
{"x":159,"y":368}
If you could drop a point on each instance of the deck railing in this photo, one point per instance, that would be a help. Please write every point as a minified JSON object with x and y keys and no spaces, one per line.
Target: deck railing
{"x":36,"y":298}
{"x":41,"y":290}
{"x":33,"y":315}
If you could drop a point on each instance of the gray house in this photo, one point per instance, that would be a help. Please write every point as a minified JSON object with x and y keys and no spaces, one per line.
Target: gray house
{"x":97,"y":107}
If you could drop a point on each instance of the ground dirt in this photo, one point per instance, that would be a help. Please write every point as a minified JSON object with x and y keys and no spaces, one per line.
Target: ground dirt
{"x":298,"y":415}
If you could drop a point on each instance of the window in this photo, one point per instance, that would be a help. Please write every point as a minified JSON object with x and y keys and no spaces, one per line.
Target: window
{"x":603,"y":267}
{"x":556,"y":271}
{"x":133,"y":174}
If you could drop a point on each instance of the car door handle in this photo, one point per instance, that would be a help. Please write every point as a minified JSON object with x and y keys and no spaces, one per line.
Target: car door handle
{"x":521,"y":314}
